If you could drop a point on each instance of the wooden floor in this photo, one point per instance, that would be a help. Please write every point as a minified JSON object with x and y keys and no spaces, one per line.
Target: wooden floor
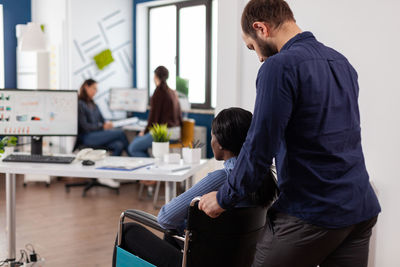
{"x":66,"y":229}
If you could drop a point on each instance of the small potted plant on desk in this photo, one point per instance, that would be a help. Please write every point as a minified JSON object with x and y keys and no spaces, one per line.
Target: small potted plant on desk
{"x":161,"y":136}
{"x":7,"y":145}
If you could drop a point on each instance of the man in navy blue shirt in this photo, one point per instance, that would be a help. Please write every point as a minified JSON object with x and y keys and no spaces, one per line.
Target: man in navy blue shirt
{"x":306,"y":116}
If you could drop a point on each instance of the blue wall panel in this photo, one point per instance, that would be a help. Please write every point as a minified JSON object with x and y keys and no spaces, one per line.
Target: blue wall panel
{"x":14,"y":12}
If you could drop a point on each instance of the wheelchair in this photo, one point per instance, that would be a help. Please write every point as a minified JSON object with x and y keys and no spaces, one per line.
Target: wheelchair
{"x":229,"y":240}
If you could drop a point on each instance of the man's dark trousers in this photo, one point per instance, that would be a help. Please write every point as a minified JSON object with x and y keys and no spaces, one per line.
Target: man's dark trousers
{"x":291,"y":242}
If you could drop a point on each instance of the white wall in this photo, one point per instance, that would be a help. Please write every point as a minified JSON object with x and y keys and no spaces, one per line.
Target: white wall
{"x":1,"y":48}
{"x":53,"y":15}
{"x":237,"y":65}
{"x":366,"y":32}
{"x":228,"y":66}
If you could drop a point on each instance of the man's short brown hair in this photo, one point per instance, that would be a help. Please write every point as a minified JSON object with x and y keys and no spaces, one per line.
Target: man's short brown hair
{"x":272,"y":12}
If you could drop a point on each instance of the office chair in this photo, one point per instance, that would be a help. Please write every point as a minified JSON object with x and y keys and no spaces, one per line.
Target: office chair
{"x":90,"y":183}
{"x":187,"y":134}
{"x":229,"y":240}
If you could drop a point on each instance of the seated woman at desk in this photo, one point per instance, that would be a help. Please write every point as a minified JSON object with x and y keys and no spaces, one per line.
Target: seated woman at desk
{"x":229,"y":130}
{"x":164,"y":108}
{"x":93,"y":130}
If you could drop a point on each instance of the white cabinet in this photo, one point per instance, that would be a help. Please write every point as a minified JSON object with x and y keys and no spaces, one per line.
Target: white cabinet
{"x":33,"y":70}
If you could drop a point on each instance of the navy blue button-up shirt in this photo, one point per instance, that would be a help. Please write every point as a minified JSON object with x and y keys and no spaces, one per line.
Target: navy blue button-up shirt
{"x":306,"y":116}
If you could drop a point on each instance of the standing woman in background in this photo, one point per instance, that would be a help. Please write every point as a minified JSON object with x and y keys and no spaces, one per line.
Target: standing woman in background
{"x":92,"y":129}
{"x":164,"y":108}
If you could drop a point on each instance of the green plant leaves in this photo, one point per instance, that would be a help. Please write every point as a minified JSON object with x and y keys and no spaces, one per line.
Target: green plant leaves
{"x":8,"y":141}
{"x":160,"y":133}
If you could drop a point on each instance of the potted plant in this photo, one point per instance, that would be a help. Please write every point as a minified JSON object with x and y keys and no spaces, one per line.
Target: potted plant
{"x":7,"y":145}
{"x":160,"y":145}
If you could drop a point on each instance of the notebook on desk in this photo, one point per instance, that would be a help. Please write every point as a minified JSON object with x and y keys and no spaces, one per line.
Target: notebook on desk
{"x":170,"y":168}
{"x":126,"y":166}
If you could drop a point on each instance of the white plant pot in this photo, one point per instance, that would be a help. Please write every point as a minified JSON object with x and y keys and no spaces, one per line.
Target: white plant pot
{"x":7,"y":151}
{"x":191,"y":155}
{"x":159,"y":149}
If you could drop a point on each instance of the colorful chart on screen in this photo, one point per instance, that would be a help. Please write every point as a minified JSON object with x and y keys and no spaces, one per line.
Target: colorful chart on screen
{"x":38,"y":112}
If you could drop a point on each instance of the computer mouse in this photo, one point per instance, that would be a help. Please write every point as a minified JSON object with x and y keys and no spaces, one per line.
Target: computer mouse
{"x":88,"y":162}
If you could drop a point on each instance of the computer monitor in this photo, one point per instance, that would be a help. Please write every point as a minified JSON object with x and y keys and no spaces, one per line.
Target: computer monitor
{"x":38,"y":113}
{"x":128,"y":99}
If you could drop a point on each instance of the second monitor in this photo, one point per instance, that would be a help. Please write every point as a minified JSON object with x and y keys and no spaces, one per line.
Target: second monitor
{"x":128,"y":99}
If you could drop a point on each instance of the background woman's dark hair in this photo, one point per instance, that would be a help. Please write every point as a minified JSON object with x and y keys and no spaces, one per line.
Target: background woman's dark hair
{"x":82,"y":92}
{"x":162,"y":74}
{"x":230,"y":128}
{"x":273,"y":12}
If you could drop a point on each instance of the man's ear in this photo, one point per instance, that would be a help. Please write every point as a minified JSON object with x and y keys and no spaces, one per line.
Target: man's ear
{"x":261,"y":28}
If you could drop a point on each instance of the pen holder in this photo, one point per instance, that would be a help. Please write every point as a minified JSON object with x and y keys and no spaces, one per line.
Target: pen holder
{"x":191,"y":155}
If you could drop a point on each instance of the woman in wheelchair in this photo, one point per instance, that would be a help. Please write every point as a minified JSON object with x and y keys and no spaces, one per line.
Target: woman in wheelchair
{"x":229,"y":131}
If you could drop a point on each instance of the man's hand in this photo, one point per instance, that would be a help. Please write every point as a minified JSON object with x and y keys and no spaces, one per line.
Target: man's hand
{"x":209,"y":204}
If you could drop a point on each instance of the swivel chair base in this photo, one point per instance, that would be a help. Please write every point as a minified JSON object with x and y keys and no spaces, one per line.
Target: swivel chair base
{"x":88,"y":185}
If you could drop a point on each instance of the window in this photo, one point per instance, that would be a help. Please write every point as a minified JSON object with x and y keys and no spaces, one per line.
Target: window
{"x":162,"y":42}
{"x":180,"y":39}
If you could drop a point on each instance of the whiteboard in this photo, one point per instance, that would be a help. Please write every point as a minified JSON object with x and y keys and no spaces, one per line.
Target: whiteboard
{"x":95,"y":26}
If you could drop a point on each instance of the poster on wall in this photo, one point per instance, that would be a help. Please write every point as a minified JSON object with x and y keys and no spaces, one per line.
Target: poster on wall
{"x":102,"y":49}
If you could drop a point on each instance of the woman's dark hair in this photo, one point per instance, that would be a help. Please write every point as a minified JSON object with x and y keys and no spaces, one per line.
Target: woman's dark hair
{"x":162,"y":74}
{"x":230,"y":128}
{"x":82,"y":91}
{"x":273,"y":12}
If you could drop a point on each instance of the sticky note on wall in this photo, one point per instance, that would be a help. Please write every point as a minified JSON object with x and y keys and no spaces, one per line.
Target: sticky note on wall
{"x":103,"y":59}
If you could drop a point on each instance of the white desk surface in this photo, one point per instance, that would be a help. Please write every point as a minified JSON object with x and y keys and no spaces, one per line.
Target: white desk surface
{"x":76,"y":169}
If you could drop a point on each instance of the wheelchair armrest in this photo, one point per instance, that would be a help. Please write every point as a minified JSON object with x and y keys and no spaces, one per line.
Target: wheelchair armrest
{"x":147,"y":220}
{"x":144,"y":218}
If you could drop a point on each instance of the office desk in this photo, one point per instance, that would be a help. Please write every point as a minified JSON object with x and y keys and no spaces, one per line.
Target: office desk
{"x":76,"y":169}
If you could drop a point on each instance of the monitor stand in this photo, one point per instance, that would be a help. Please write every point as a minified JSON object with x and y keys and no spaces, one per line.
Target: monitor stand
{"x":36,"y":145}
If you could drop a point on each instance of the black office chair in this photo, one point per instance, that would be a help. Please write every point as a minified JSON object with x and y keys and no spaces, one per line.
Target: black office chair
{"x":89,"y":184}
{"x":228,"y":240}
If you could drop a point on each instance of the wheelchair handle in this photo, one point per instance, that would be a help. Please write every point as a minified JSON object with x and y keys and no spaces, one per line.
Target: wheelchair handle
{"x":194,"y":200}
{"x":121,"y":222}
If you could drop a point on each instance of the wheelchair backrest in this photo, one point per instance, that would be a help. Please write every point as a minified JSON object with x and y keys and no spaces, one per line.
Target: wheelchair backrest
{"x":228,"y":240}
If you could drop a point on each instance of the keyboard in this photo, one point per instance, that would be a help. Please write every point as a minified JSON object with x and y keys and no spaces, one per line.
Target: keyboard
{"x":38,"y":159}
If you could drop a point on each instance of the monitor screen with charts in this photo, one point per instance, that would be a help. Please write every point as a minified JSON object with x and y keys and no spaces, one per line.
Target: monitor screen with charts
{"x":38,"y":112}
{"x":128,"y":99}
